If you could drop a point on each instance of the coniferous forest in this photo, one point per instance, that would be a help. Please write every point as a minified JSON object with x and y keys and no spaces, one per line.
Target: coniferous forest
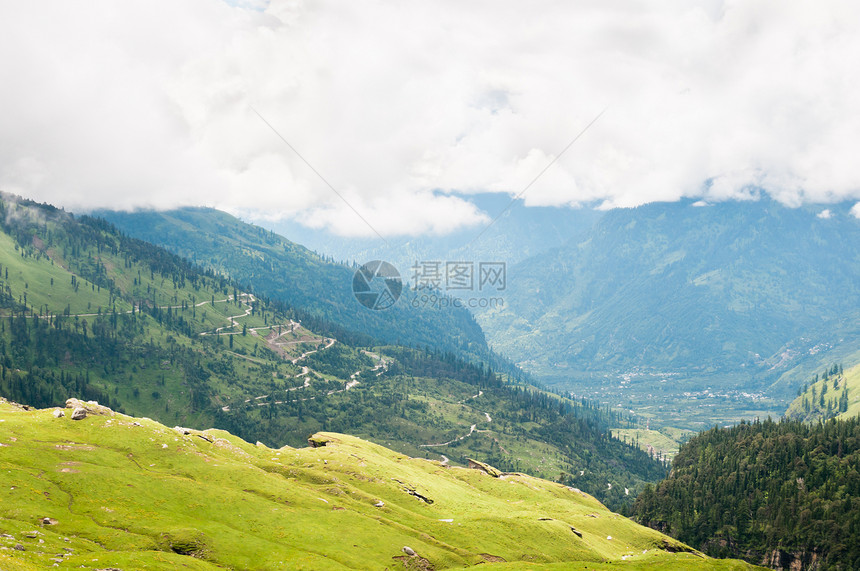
{"x":776,"y":493}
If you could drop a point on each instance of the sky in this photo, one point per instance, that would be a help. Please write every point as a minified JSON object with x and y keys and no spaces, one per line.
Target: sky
{"x":380,"y":117}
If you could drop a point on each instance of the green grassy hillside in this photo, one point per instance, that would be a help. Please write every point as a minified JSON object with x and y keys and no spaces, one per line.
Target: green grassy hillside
{"x":282,"y":270}
{"x":436,"y":406}
{"x":110,"y":491}
{"x":89,"y":313}
{"x":831,"y":393}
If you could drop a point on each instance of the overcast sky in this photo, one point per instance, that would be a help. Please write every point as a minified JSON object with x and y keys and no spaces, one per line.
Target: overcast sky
{"x":407,"y":108}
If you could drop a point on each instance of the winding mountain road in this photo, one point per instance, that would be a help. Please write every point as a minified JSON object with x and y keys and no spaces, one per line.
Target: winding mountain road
{"x":472,"y":429}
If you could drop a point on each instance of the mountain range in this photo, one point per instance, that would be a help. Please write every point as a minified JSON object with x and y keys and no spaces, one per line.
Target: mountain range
{"x":686,"y":313}
{"x":90,"y":313}
{"x":747,"y":289}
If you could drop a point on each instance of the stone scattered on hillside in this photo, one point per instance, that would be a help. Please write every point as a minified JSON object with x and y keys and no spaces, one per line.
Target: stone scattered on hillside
{"x":413,"y":492}
{"x":91,"y":407}
{"x":191,"y":432}
{"x":484,"y":467}
{"x":79,"y":414}
{"x":226,"y":444}
{"x":408,"y":550}
{"x":58,"y":413}
{"x":317,"y":441}
{"x":49,"y":521}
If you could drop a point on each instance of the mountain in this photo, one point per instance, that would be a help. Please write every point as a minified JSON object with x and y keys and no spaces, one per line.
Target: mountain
{"x":436,"y":406}
{"x":279,"y":269}
{"x":110,"y":491}
{"x":90,"y":313}
{"x":516,"y":233}
{"x":782,"y":494}
{"x":732,"y":296}
{"x":835,"y":394}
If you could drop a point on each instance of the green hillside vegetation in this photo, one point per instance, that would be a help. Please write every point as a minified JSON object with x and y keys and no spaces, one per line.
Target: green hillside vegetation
{"x":833,"y":393}
{"x":662,"y":443}
{"x":436,"y":406}
{"x":110,"y":491}
{"x":278,"y":269}
{"x":90,"y":313}
{"x":783,"y":494}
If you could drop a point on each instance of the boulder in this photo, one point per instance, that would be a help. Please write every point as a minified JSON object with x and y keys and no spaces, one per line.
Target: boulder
{"x":58,"y":413}
{"x":408,"y":550}
{"x":321,"y":439}
{"x":79,"y":413}
{"x":484,"y":467}
{"x":92,"y":408}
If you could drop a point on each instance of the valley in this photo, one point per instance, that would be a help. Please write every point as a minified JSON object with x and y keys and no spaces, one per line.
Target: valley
{"x":615,"y":302}
{"x":124,"y":323}
{"x":402,"y":286}
{"x":88,"y":312}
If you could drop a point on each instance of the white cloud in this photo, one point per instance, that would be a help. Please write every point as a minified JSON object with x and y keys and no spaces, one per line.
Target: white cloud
{"x":150,"y":104}
{"x":825,"y":214}
{"x":855,"y":210}
{"x":398,"y":214}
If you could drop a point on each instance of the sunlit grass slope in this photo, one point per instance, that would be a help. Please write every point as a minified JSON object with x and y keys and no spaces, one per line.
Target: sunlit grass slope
{"x":134,"y":494}
{"x":812,"y":405}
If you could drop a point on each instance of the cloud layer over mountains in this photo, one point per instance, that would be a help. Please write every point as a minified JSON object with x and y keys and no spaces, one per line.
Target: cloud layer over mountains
{"x":406,"y":109}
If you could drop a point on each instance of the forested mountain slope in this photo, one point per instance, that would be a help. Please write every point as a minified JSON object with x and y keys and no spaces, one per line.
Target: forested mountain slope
{"x":90,"y":313}
{"x":783,"y":494}
{"x":830,"y":393}
{"x":279,"y":269}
